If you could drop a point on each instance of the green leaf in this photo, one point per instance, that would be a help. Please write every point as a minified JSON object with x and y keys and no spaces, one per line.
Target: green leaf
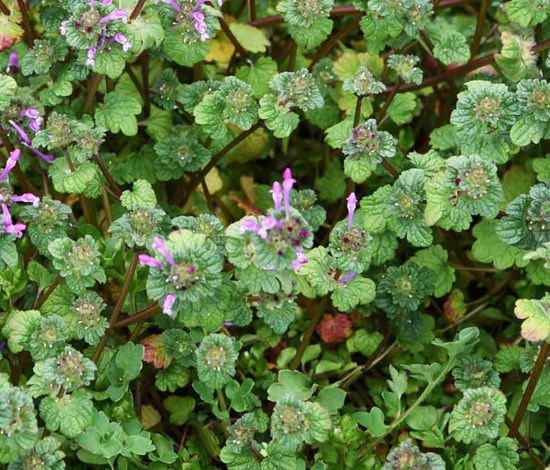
{"x":502,"y":456}
{"x":526,"y":131}
{"x":290,"y":383}
{"x":332,"y":398}
{"x":364,"y":342}
{"x":339,"y":133}
{"x":142,"y":196}
{"x":7,"y":89}
{"x":332,"y":185}
{"x":422,"y":418}
{"x":258,"y":75}
{"x":372,"y":420}
{"x":181,"y":52}
{"x":536,"y":326}
{"x":348,"y":295}
{"x":435,"y":258}
{"x":109,"y":63}
{"x":542,"y":168}
{"x":71,"y":414}
{"x":451,"y":47}
{"x":489,"y":248}
{"x":18,"y":328}
{"x":117,"y":113}
{"x":180,"y":408}
{"x":310,"y":37}
{"x":402,"y":108}
{"x":252,"y":39}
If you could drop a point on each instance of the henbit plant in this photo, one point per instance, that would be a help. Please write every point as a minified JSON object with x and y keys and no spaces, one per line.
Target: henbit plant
{"x":167,"y":300}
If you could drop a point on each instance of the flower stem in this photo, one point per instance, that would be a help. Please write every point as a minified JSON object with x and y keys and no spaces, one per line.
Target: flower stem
{"x":145,"y":81}
{"x":27,"y":26}
{"x":93,"y":84}
{"x":118,"y":306}
{"x":251,"y":10}
{"x":315,"y":319}
{"x":216,"y":159}
{"x":116,"y":189}
{"x":140,"y":316}
{"x":223,"y":406}
{"x":137,"y":9}
{"x":524,"y":443}
{"x":531,"y":386}
{"x":238,"y":46}
{"x":481,"y":14}
{"x":4,"y":9}
{"x":40,"y":301}
{"x":357,"y":114}
{"x":333,"y":40}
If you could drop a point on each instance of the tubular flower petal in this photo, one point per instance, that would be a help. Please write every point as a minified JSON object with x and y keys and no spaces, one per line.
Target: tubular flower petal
{"x":277,"y":194}
{"x":27,"y":197}
{"x":22,"y":134}
{"x":346,"y":278}
{"x":118,"y":14}
{"x":173,"y":4}
{"x":12,"y":160}
{"x":146,"y":260}
{"x":121,"y":39}
{"x":288,"y":182}
{"x":13,"y":63}
{"x":9,"y":226}
{"x":168,"y":304}
{"x":352,"y":204}
{"x":158,"y":244}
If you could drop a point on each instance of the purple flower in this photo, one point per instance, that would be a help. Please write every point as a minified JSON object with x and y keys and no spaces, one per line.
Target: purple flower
{"x":121,"y":39}
{"x":27,"y":197}
{"x":277,"y":194}
{"x":346,"y":278}
{"x":200,"y":26}
{"x":352,"y":204}
{"x":34,"y":115}
{"x":168,"y":304}
{"x":90,"y":54}
{"x":261,"y":229}
{"x":118,"y":14}
{"x":24,"y":138}
{"x":63,"y":27}
{"x":9,"y":226}
{"x":288,"y":182}
{"x":146,"y":260}
{"x":13,"y":63}
{"x":22,"y":134}
{"x":12,"y":161}
{"x":173,"y":4}
{"x":300,"y":259}
{"x":158,"y":244}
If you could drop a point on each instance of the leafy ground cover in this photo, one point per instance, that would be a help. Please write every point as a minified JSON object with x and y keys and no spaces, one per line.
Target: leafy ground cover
{"x":274,"y":235}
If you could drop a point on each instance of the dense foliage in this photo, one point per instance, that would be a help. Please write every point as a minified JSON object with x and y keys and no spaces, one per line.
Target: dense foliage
{"x":274,"y":235}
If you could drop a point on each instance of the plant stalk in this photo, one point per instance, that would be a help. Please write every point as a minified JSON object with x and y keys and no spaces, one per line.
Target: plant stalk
{"x":93,"y":84}
{"x":140,"y":316}
{"x":27,"y":26}
{"x":531,"y":386}
{"x":306,"y":338}
{"x":481,"y":15}
{"x":118,"y":306}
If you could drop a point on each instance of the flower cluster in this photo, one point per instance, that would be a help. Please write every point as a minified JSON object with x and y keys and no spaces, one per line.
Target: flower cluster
{"x":283,"y":231}
{"x":94,"y":28}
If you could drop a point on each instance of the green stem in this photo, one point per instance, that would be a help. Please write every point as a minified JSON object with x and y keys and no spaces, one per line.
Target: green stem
{"x":223,"y":406}
{"x":43,"y":297}
{"x":116,"y":189}
{"x":427,"y":391}
{"x":118,"y":306}
{"x":315,"y":319}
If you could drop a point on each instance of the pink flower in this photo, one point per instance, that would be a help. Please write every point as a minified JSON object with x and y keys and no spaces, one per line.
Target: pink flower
{"x":168,"y":303}
{"x":13,"y":63}
{"x":352,"y":204}
{"x":118,"y":14}
{"x":277,"y":194}
{"x":160,"y":246}
{"x":146,"y":260}
{"x":288,"y":182}
{"x":300,"y":259}
{"x":9,"y":226}
{"x":121,"y":39}
{"x":90,"y":54}
{"x":12,"y":161}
